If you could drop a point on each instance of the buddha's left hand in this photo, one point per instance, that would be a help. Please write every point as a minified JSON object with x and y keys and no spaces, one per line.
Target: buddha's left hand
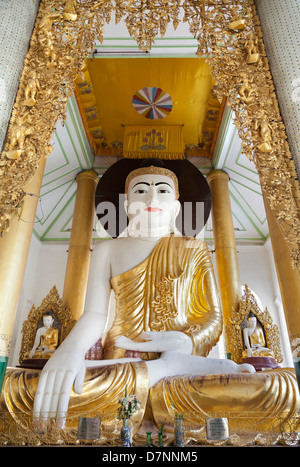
{"x":157,"y":342}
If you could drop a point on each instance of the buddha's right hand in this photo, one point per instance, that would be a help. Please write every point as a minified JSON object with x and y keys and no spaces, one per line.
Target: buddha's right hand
{"x":65,"y":368}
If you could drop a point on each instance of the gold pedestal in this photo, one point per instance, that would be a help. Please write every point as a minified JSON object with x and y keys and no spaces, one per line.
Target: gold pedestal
{"x":264,"y":404}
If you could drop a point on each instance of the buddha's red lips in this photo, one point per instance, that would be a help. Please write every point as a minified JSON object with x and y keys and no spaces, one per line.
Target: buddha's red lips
{"x":150,"y":209}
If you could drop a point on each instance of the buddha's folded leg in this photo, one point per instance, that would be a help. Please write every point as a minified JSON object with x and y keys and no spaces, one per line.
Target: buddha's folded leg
{"x":101,"y":391}
{"x":264,"y":396}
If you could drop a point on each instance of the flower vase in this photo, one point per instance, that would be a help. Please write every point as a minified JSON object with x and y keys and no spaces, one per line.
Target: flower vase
{"x":148,"y":440}
{"x":160,"y":436}
{"x":160,"y":440}
{"x":179,"y":430}
{"x":126,"y":432}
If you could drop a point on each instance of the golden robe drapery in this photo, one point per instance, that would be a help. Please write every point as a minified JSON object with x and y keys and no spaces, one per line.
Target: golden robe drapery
{"x":173,"y":289}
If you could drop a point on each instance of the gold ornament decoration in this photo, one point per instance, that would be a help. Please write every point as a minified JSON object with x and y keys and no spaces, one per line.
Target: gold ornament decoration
{"x":251,"y":48}
{"x":229,"y":36}
{"x":57,"y":51}
{"x":70,"y":10}
{"x":31,"y":89}
{"x":237,"y":24}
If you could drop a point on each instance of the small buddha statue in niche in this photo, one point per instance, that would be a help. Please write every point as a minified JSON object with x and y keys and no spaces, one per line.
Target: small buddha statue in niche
{"x":46,"y":339}
{"x":254,"y":339}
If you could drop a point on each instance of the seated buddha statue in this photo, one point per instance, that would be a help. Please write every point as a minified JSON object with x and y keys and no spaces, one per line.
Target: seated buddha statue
{"x":46,"y":339}
{"x":162,"y":282}
{"x":166,"y":308}
{"x":254,"y":339}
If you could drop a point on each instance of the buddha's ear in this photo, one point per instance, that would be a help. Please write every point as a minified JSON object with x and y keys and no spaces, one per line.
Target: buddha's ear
{"x":177,"y":207}
{"x":126,"y":204}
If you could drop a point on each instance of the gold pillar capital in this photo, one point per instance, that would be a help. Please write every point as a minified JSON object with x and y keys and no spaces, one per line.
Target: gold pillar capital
{"x":217,"y":173}
{"x":87,"y":174}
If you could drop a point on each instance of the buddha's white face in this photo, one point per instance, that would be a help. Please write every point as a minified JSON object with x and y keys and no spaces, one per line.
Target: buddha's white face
{"x":251,"y":322}
{"x":151,"y":204}
{"x":47,"y":321}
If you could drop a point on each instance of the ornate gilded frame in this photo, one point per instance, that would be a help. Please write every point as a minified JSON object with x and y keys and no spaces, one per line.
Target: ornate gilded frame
{"x":51,"y":302}
{"x":230,"y":38}
{"x":234,"y":331}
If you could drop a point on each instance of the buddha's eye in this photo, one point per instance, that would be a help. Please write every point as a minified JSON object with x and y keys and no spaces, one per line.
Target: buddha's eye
{"x":163,"y":190}
{"x":140,"y":191}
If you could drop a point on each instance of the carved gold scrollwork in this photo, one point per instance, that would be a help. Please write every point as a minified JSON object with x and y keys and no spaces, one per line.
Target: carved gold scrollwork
{"x":58,"y":48}
{"x":229,"y":36}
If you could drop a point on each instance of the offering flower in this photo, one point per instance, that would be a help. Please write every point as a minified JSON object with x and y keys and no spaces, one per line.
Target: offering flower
{"x":128,"y":406}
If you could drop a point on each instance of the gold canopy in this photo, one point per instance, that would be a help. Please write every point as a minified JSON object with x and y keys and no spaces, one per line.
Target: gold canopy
{"x":107,"y":89}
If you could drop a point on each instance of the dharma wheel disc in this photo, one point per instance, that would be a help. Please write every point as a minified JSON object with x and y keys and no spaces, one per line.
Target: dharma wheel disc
{"x":152,"y":102}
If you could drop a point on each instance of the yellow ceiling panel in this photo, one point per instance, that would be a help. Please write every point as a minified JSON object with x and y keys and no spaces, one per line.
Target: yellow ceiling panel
{"x":109,"y":91}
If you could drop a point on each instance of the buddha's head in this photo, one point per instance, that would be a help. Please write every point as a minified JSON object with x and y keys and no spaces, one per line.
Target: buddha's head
{"x":195,"y":197}
{"x":47,"y":320}
{"x":251,"y":321}
{"x":152,"y":200}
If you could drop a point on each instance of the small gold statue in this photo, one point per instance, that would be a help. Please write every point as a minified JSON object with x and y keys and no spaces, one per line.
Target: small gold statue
{"x":251,"y":48}
{"x":70,"y":13}
{"x":17,"y":140}
{"x":265,"y":133}
{"x":46,"y":40}
{"x":31,"y":89}
{"x":246,"y":91}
